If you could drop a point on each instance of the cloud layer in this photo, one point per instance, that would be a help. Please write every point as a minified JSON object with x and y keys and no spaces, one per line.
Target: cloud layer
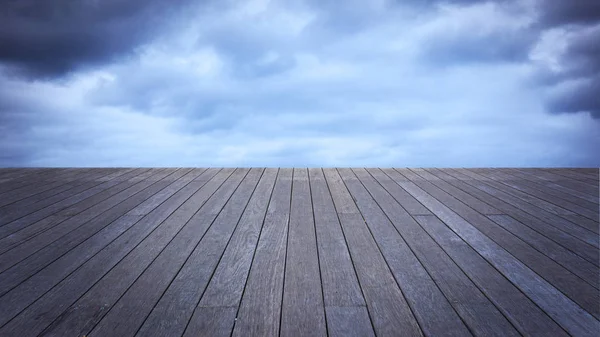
{"x":300,"y":83}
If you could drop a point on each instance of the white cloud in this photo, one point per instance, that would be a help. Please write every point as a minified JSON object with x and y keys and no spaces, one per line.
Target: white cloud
{"x":256,"y":85}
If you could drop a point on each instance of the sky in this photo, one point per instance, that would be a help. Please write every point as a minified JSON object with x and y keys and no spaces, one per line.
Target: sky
{"x":417,"y":83}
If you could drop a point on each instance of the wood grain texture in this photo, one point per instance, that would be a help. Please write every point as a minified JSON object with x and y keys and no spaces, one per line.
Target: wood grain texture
{"x":299,"y":252}
{"x":260,"y":310}
{"x":303,"y":311}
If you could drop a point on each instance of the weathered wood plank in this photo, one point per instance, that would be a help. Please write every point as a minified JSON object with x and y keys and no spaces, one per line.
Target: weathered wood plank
{"x":564,"y":194}
{"x":218,"y":320}
{"x":173,"y":312}
{"x":38,"y":179}
{"x":502,"y":192}
{"x":584,"y":269}
{"x":574,"y":176}
{"x":31,"y":189}
{"x":566,"y":181}
{"x":568,"y":259}
{"x":192,"y":251}
{"x":569,"y":315}
{"x":205,"y":236}
{"x":340,"y":284}
{"x":72,"y":206}
{"x":77,"y":228}
{"x":260,"y":310}
{"x":431,"y":308}
{"x":540,"y":178}
{"x":588,"y":252}
{"x":574,"y":287}
{"x":32,"y":288}
{"x":386,"y":304}
{"x":547,"y":195}
{"x":348,"y":321}
{"x":477,"y":311}
{"x":170,"y":214}
{"x":227,"y":283}
{"x":30,"y":205}
{"x":303,"y":311}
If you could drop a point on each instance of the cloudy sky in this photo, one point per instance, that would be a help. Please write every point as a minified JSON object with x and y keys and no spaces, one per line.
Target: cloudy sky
{"x":300,"y":83}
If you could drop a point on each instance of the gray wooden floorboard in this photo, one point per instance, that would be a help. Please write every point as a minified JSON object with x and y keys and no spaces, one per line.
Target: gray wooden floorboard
{"x":477,"y":311}
{"x":32,"y":288}
{"x":565,"y":312}
{"x":205,"y":235}
{"x":57,"y":304}
{"x":386,"y":304}
{"x":303,"y":311}
{"x":555,"y":251}
{"x":568,"y":192}
{"x":570,"y":284}
{"x":299,"y":252}
{"x":260,"y":309}
{"x":431,"y":308}
{"x":502,"y":192}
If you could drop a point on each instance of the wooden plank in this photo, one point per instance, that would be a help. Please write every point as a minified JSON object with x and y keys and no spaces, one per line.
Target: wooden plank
{"x":77,"y":228}
{"x":568,"y":283}
{"x":495,"y":181}
{"x":565,"y":312}
{"x":348,"y":321}
{"x":547,"y":195}
{"x":524,"y":314}
{"x":28,"y":206}
{"x":501,"y":192}
{"x":587,"y":173}
{"x":29,"y":190}
{"x":26,"y":173}
{"x":583,"y":217}
{"x":218,"y":320}
{"x":473,"y":202}
{"x":410,"y":204}
{"x":340,"y":283}
{"x":225,"y":288}
{"x":69,"y":207}
{"x":539,"y":178}
{"x":568,"y":182}
{"x":227,"y":284}
{"x":573,"y":175}
{"x":48,"y":194}
{"x":577,"y":265}
{"x":44,"y":256}
{"x":260,"y":309}
{"x":588,"y":252}
{"x":568,"y":259}
{"x":434,"y":314}
{"x":475,"y":309}
{"x":39,"y":179}
{"x":302,"y":312}
{"x":32,"y":288}
{"x":159,"y":225}
{"x":205,"y":236}
{"x":27,"y":180}
{"x":386,"y":304}
{"x":381,"y":212}
{"x":556,"y":191}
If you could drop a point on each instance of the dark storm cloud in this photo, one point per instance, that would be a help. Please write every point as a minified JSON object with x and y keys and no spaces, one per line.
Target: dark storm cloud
{"x":581,"y":97}
{"x":51,"y":38}
{"x":580,"y":61}
{"x":559,"y":12}
{"x":581,"y":71}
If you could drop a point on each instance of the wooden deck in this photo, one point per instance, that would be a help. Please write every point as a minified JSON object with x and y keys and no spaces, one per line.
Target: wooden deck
{"x":295,"y":252}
